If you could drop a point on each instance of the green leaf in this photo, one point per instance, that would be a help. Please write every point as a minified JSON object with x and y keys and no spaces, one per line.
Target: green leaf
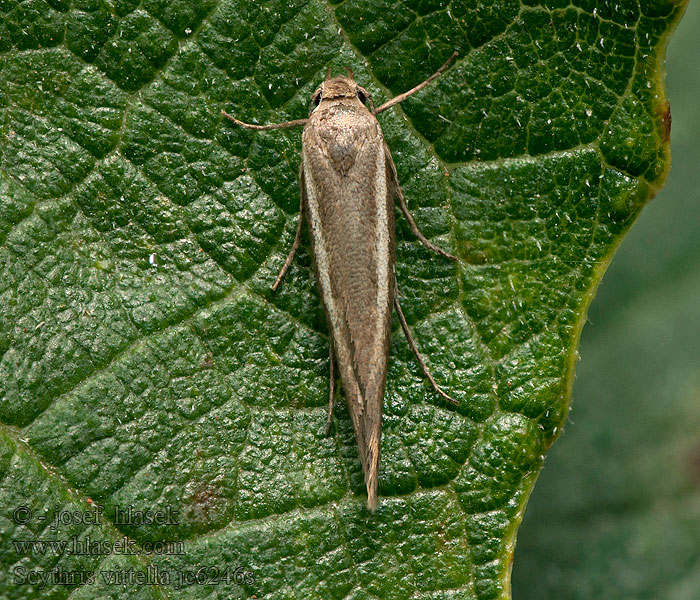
{"x":620,"y":492}
{"x":145,"y":365}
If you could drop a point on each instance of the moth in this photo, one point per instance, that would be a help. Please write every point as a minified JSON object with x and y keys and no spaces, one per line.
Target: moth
{"x":348,"y":184}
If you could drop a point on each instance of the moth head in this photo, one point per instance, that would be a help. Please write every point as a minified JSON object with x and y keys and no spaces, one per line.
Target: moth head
{"x":340,"y":87}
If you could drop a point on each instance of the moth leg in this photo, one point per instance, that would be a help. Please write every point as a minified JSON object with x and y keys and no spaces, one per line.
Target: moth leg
{"x":297,"y":237}
{"x":292,"y":252}
{"x":285,"y":125}
{"x":419,"y":358}
{"x":414,"y":228}
{"x":331,"y":399}
{"x":391,"y":168}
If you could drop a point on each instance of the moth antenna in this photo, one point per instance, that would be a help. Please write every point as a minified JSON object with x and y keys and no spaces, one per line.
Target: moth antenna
{"x":420,"y":86}
{"x":328,"y":73}
{"x":351,"y":75}
{"x":285,"y":125}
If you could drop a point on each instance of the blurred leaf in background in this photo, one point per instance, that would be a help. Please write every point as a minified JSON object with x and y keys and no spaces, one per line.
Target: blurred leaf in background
{"x":616,"y":510}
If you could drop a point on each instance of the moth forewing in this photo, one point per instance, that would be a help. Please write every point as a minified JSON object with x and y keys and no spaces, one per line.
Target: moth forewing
{"x":348,"y":182}
{"x":349,"y":210}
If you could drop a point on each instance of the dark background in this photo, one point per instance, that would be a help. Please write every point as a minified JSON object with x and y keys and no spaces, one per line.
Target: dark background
{"x":616,"y":511}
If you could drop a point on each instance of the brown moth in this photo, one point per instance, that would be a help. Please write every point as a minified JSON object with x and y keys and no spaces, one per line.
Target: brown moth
{"x":348,"y":184}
